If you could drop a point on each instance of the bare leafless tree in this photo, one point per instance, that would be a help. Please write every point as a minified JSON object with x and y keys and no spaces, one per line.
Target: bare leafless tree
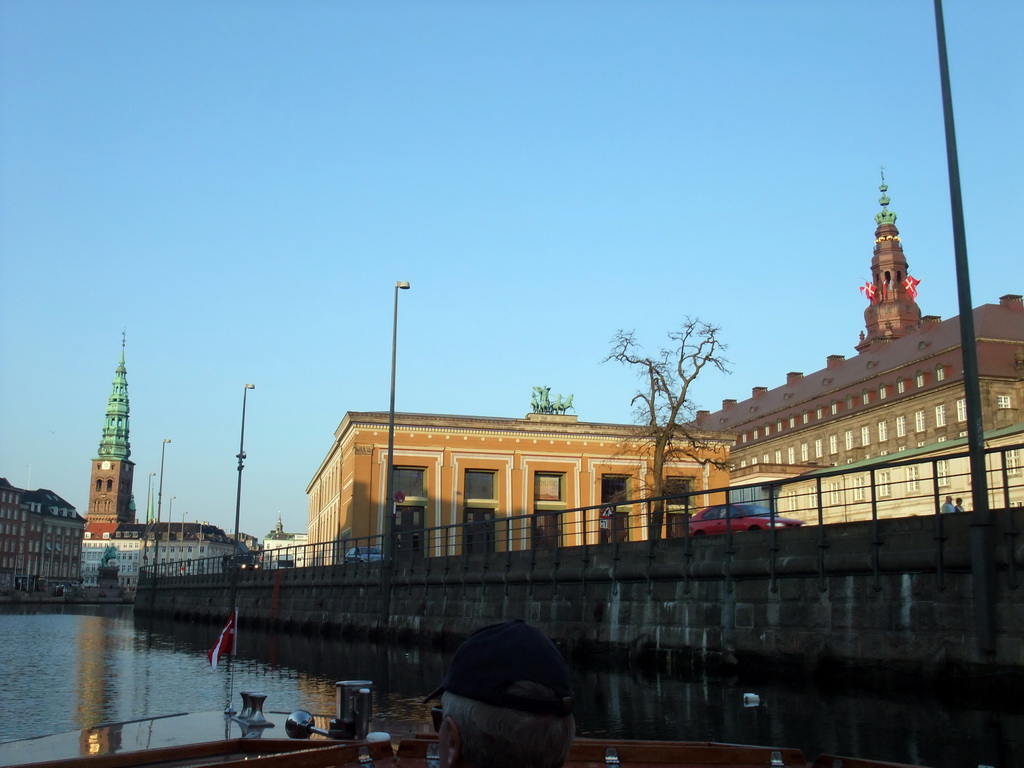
{"x":665,"y":414}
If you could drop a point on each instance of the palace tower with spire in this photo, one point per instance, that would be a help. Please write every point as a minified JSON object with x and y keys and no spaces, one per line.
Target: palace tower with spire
{"x":110,"y":487}
{"x":892,"y":311}
{"x":902,"y":391}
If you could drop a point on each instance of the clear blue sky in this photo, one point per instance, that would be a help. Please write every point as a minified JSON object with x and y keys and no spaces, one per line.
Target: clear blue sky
{"x":239,"y":184}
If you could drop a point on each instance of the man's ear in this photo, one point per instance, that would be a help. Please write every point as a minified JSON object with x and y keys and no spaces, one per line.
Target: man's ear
{"x":454,"y":744}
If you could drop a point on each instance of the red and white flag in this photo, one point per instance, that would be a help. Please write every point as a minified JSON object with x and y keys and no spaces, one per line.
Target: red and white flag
{"x":225,"y":643}
{"x":911,"y":284}
{"x":869,"y":291}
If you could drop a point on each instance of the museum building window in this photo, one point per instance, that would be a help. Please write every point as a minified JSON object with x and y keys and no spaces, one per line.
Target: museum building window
{"x":479,"y":508}
{"x":409,"y":513}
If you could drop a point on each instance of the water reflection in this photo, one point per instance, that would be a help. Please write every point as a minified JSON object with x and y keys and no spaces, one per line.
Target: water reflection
{"x":85,"y":666}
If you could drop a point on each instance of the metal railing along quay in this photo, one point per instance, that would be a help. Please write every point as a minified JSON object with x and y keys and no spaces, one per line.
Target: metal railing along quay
{"x":869,"y":492}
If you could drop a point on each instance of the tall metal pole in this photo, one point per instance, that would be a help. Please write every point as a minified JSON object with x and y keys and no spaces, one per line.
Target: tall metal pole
{"x":389,"y":501}
{"x":159,"y":503}
{"x":981,"y":532}
{"x":149,"y":525}
{"x":235,"y":564}
{"x":241,"y":465}
{"x":170,"y":524}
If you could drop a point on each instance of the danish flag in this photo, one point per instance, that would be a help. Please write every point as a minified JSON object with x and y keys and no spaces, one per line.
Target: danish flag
{"x":225,"y":643}
{"x":868,"y":290}
{"x":911,"y":284}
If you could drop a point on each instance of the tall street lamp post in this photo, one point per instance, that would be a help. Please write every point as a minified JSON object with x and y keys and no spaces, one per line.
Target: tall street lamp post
{"x":149,"y":521}
{"x":981,"y":533}
{"x":241,"y":460}
{"x":170,"y":522}
{"x":389,"y":500}
{"x":159,"y":503}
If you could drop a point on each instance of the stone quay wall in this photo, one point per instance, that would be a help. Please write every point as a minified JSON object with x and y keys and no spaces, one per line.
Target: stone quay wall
{"x":898,"y":593}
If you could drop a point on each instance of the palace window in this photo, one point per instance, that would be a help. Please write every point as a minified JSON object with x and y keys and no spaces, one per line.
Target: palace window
{"x":865,"y":436}
{"x":791,"y":455}
{"x":942,"y":473}
{"x":833,"y":444}
{"x":849,"y":402}
{"x":883,"y":431}
{"x":912,"y":483}
{"x":865,"y":397}
{"x":858,"y":488}
{"x":1003,"y":401}
{"x":756,"y":433}
{"x":848,"y":439}
{"x":919,"y":421}
{"x":817,"y":449}
{"x":961,"y":409}
{"x":901,"y":426}
{"x":940,"y":415}
{"x":882,"y":479}
{"x":778,"y":457}
{"x":804,"y":456}
{"x":807,"y":416}
{"x":778,"y":425}
{"x":901,"y":386}
{"x":792,"y":421}
{"x":920,"y":379}
{"x":834,"y":408}
{"x":818,"y":412}
{"x":882,"y":392}
{"x":940,"y":372}
{"x":1012,"y":462}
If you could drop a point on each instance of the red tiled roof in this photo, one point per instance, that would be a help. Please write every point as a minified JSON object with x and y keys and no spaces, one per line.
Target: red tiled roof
{"x":998,"y":328}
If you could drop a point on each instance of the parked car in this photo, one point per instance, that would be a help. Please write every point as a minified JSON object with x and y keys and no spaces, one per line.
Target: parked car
{"x":364,"y":555}
{"x":244,"y":561}
{"x":737,"y":517}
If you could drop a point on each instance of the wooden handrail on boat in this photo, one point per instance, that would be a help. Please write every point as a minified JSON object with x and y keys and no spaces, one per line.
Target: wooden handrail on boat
{"x":239,"y":753}
{"x":594,"y":753}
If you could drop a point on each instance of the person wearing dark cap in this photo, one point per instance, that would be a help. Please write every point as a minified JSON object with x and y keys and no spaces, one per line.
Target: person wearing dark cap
{"x":506,"y":701}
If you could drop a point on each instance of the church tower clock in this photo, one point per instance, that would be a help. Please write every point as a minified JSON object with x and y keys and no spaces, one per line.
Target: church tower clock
{"x":110,"y":487}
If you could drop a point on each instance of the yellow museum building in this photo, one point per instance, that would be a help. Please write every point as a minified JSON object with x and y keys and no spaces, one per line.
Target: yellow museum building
{"x":477,"y":472}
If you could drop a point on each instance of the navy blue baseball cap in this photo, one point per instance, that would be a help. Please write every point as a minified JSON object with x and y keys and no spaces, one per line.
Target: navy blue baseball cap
{"x":493,"y":658}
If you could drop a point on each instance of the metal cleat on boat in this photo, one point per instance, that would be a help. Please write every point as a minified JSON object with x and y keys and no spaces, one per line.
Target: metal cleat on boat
{"x":246,"y":705}
{"x":256,"y":717}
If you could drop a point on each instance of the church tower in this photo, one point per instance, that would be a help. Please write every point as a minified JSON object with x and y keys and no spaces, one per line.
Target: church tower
{"x":110,"y":488}
{"x":892,"y":310}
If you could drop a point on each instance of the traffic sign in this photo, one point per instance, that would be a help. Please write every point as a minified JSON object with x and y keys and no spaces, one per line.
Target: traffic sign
{"x":399,"y":497}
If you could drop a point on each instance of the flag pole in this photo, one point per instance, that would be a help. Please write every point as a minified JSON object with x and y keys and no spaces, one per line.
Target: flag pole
{"x":233,"y":621}
{"x":236,"y":560}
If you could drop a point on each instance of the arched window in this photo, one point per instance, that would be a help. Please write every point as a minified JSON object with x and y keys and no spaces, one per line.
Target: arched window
{"x":99,"y":484}
{"x":110,"y":485}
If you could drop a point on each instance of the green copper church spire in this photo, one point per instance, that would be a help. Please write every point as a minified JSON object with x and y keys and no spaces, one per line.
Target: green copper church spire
{"x":114,"y":443}
{"x":885,"y":216}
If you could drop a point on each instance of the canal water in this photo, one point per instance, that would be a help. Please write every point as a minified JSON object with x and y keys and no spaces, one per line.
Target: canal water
{"x":71,"y":667}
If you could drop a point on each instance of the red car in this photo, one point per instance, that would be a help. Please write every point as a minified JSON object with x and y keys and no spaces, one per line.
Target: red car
{"x":737,"y":517}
